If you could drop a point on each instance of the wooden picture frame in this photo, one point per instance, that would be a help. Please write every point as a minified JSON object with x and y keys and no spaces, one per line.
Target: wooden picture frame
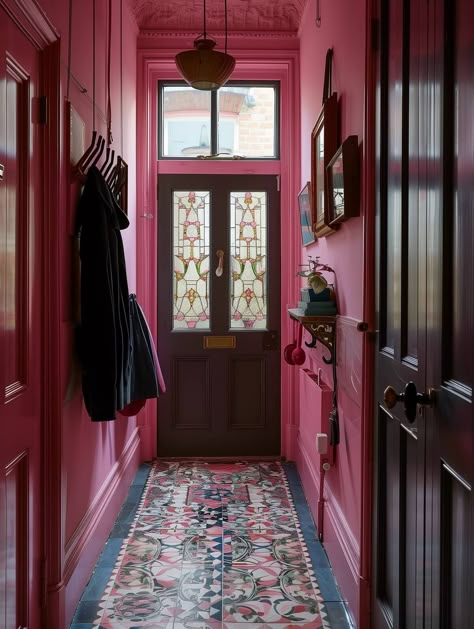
{"x":343,"y":180}
{"x":323,"y":146}
{"x":306,"y":216}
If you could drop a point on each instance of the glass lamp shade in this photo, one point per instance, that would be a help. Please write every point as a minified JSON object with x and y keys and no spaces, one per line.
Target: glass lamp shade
{"x":204,"y":68}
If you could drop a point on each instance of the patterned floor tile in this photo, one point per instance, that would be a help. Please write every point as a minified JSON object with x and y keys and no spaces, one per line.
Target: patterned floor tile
{"x":259,"y":518}
{"x":269,"y":595}
{"x":266,"y":548}
{"x":213,"y":546}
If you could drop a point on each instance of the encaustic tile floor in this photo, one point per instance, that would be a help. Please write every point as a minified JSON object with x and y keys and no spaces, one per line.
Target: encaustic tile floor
{"x":213,"y":546}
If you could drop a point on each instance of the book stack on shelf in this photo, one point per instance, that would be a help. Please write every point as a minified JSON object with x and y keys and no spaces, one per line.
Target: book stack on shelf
{"x":322,"y":304}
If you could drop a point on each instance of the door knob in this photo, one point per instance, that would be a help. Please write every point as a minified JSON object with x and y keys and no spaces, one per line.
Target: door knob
{"x":410,"y":398}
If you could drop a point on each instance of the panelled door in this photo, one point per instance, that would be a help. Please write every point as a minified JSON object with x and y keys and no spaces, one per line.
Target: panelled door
{"x":20,"y":331}
{"x":219,"y":315}
{"x":424,"y":448}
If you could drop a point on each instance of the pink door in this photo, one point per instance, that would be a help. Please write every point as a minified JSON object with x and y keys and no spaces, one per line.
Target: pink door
{"x":20,"y":331}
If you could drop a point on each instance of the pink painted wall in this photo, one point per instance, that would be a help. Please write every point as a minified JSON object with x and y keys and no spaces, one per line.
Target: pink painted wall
{"x":343,"y":29}
{"x":95,"y":455}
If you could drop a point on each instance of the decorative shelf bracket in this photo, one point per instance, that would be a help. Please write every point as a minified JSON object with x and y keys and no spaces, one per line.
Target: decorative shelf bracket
{"x":322,"y":329}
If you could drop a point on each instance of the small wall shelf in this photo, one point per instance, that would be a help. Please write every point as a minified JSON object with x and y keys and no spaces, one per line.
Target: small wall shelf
{"x":322,"y":329}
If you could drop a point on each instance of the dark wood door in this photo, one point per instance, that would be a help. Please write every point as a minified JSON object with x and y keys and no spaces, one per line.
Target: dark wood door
{"x":20,"y":331}
{"x":218,"y":328}
{"x":423,"y":524}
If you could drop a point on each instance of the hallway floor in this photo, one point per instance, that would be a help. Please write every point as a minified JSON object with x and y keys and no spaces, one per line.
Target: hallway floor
{"x":213,"y":546}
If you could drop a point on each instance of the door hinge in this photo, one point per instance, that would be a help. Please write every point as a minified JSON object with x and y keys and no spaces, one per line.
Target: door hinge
{"x":278,"y":182}
{"x":375,"y":34}
{"x":43,"y":582}
{"x":39,"y":112}
{"x":2,"y":172}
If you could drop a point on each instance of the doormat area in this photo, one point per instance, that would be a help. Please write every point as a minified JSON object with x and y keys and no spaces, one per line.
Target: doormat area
{"x":213,"y":546}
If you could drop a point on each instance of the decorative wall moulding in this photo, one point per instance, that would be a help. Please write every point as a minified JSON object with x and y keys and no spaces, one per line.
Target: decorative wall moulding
{"x":31,"y":19}
{"x":155,"y":34}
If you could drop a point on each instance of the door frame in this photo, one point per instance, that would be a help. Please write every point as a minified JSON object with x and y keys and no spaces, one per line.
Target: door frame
{"x":274,"y":65}
{"x":35,"y":25}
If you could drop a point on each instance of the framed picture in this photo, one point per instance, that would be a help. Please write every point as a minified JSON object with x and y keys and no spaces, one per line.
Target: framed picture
{"x":306,"y":218}
{"x":343,"y":179}
{"x":323,"y":146}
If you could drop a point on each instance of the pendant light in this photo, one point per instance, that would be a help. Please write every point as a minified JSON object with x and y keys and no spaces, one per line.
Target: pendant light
{"x":205,"y":68}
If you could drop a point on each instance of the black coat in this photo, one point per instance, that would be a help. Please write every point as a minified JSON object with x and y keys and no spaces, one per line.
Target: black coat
{"x":103,"y":335}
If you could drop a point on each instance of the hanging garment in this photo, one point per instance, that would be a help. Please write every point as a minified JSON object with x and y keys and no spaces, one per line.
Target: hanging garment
{"x":159,"y":374}
{"x":144,"y":375}
{"x":103,"y":339}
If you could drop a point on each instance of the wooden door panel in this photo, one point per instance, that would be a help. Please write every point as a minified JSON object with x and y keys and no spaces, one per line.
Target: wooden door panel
{"x":451,"y":441}
{"x":16,"y":542}
{"x":247,"y":392}
{"x":218,"y":363}
{"x":20,"y":331}
{"x":15,"y":262}
{"x":190,"y":393}
{"x":399,"y":524}
{"x":456,"y":540}
{"x":425,"y":470}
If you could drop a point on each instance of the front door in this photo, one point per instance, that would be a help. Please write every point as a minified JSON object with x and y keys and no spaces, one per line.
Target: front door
{"x":20,"y":331}
{"x":219,"y":315}
{"x":424,"y":465}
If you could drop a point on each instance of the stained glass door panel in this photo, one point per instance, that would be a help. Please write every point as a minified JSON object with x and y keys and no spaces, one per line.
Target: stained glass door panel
{"x":191,"y":248}
{"x":248,"y":248}
{"x":219,"y":295}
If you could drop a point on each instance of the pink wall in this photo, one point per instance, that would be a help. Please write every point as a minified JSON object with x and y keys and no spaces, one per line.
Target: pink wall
{"x":98,"y":459}
{"x":343,"y":29}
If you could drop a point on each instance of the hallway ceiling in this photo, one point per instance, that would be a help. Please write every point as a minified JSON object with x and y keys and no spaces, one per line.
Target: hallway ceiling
{"x":243,"y":15}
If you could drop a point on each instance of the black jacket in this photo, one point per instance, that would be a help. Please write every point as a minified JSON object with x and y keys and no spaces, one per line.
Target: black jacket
{"x":103,"y":341}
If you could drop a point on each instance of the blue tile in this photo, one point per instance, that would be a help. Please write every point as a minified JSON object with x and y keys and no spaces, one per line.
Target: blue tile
{"x":110,"y":552}
{"x":134,"y":494}
{"x":327,"y":585}
{"x":121,"y":529}
{"x":127,"y":512}
{"x":86,"y":612}
{"x":142,"y":475}
{"x":337,"y":616}
{"x":97,"y":584}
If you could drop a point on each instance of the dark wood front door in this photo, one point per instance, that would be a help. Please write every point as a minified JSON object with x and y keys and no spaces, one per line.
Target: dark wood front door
{"x":219,"y":315}
{"x":424,"y":452}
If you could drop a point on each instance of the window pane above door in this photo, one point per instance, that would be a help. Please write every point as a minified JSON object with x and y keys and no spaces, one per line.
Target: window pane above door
{"x":186,"y":122}
{"x":248,"y":249}
{"x":247,"y":121}
{"x":191,"y":247}
{"x":240,"y":120}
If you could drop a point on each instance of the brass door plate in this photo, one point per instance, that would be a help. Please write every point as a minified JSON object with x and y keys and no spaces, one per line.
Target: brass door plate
{"x":219,"y":342}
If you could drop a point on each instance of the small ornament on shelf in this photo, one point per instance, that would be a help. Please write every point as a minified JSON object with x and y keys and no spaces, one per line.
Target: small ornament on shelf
{"x":319,"y":298}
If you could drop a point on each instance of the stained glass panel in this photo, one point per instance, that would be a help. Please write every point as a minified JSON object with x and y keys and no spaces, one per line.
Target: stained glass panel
{"x":191,"y":247}
{"x":248,"y":249}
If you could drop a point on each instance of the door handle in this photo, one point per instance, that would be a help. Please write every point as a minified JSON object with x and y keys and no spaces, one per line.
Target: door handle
{"x":220,"y":266}
{"x":410,"y":398}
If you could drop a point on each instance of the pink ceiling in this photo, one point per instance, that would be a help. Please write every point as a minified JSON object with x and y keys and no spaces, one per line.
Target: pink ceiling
{"x":243,"y":15}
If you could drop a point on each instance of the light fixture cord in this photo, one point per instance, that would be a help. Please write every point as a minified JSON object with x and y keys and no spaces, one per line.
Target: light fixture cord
{"x":225,"y":18}
{"x":204,"y":19}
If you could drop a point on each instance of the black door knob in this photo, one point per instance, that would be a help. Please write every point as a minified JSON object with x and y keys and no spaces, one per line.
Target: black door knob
{"x":410,"y":398}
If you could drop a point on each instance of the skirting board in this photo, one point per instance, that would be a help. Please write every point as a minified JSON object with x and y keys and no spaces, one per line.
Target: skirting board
{"x":87,"y":541}
{"x":339,"y":541}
